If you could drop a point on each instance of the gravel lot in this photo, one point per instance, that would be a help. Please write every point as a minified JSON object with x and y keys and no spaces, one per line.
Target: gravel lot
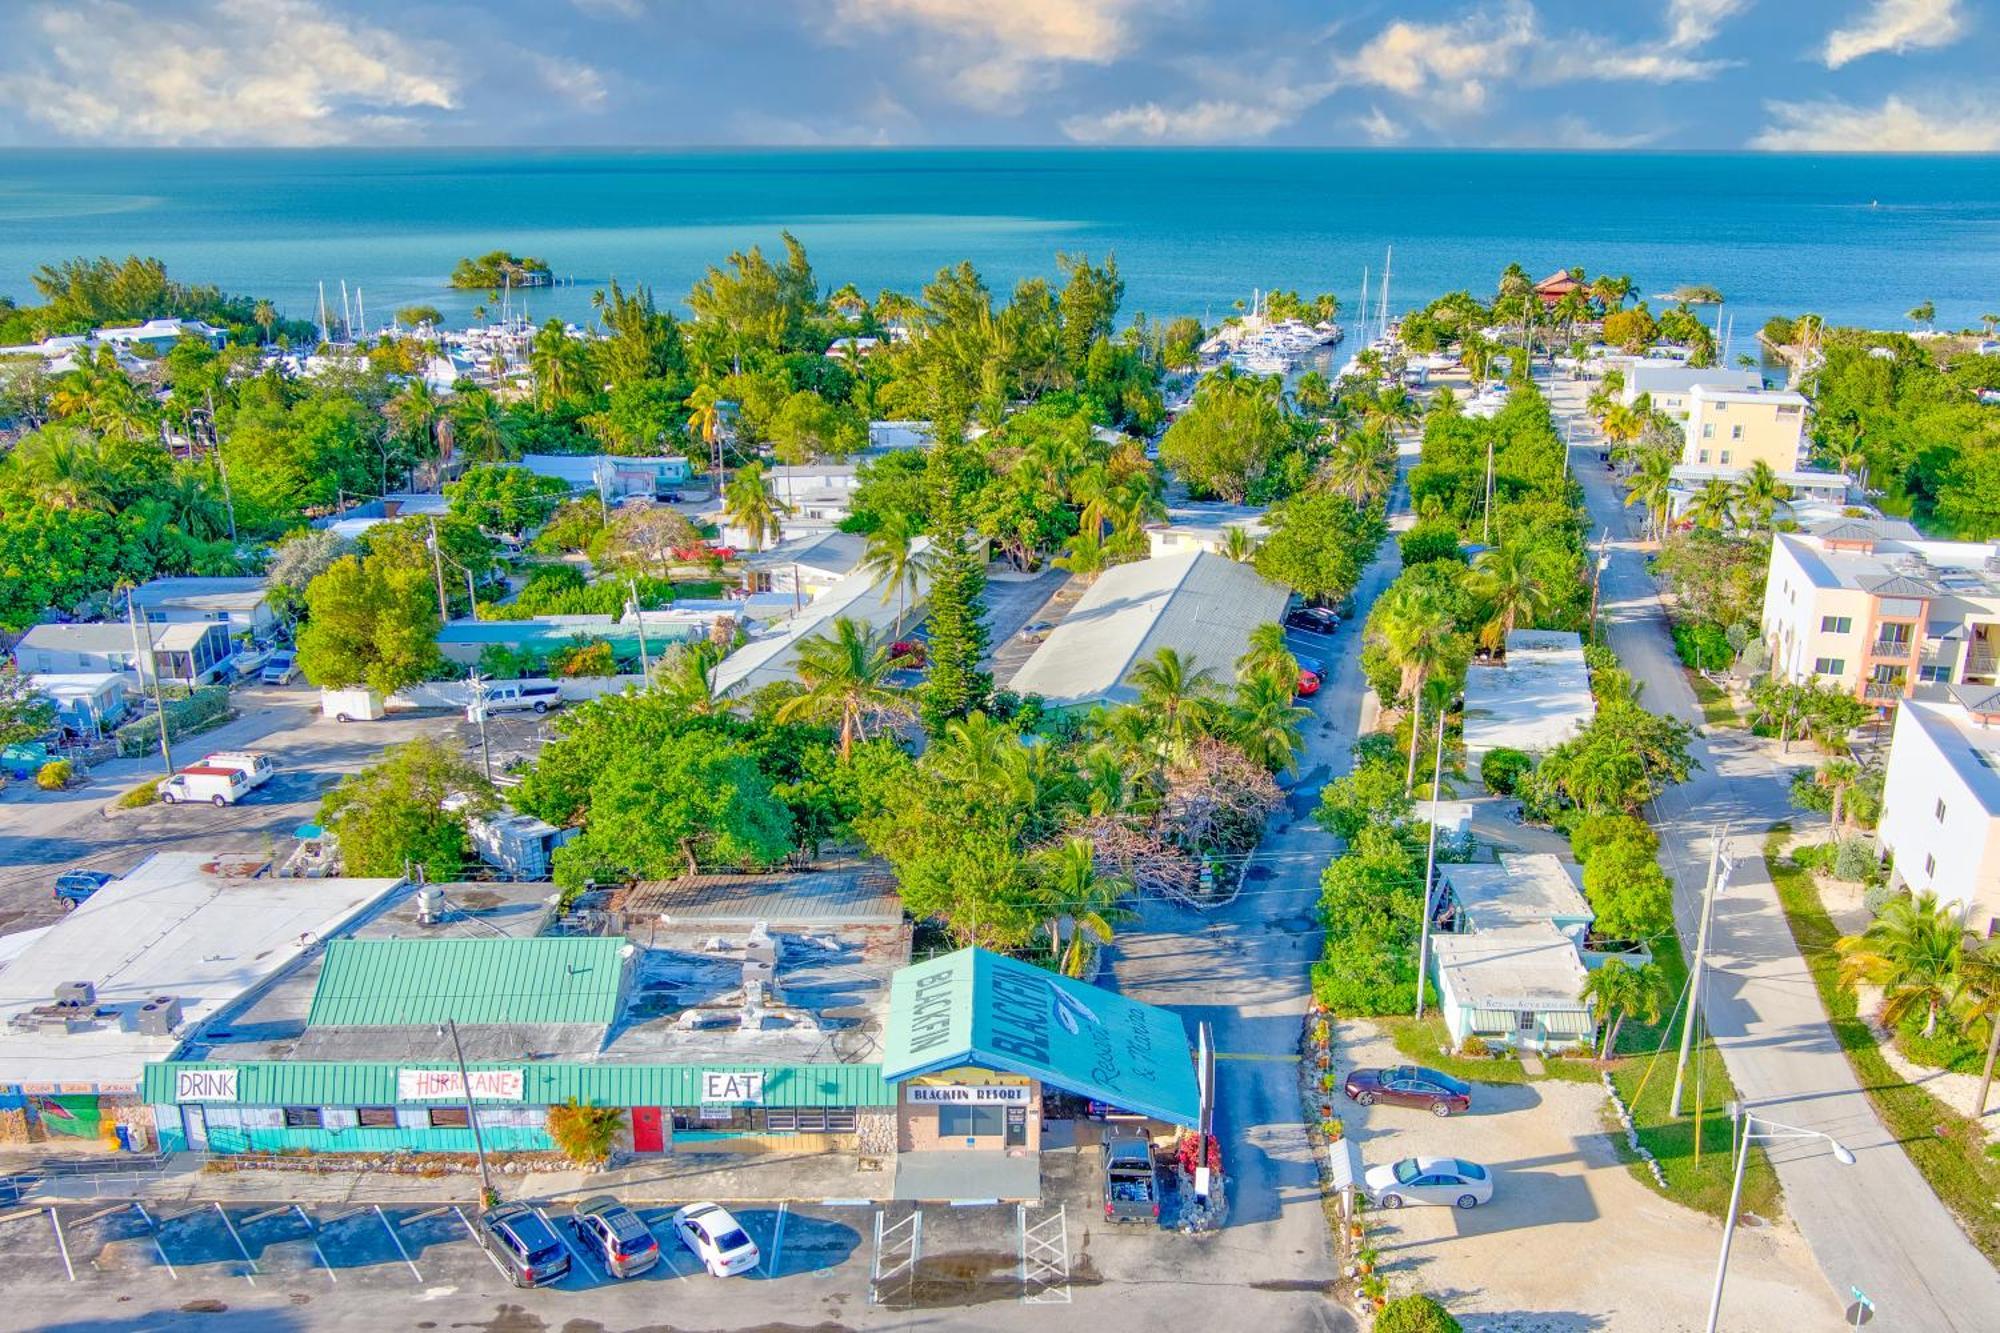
{"x":1572,"y":1239}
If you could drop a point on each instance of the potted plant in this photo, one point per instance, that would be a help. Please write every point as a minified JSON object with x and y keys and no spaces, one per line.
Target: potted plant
{"x":1366,"y":1258}
{"x":1333,"y":1128}
{"x":1375,"y":1290}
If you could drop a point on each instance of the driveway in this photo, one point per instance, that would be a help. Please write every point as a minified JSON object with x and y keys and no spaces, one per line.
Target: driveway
{"x":1572,"y":1240}
{"x":1875,"y":1225}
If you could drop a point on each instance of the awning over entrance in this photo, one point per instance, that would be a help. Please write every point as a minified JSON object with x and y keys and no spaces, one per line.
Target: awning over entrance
{"x":975,"y":1007}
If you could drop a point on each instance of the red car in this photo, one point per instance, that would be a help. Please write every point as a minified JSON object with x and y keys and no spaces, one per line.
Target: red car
{"x":1308,"y":684}
{"x":1410,"y":1085}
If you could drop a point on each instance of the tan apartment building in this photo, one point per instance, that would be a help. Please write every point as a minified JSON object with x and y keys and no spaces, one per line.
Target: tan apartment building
{"x":1730,"y":429}
{"x":1874,"y":608}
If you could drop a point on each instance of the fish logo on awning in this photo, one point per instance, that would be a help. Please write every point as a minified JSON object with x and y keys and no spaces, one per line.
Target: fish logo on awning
{"x":1067,"y":1008}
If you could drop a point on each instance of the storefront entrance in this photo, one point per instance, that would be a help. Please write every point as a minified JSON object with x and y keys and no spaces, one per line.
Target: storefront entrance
{"x":648,"y":1132}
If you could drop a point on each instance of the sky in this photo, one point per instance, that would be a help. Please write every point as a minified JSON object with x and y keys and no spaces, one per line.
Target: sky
{"x":1786,"y":75}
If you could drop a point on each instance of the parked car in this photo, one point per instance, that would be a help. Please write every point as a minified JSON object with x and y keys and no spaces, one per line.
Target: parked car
{"x":614,"y":1233}
{"x":1308,"y":684}
{"x":215,"y":783}
{"x":1035,"y":631}
{"x":516,"y":1235}
{"x":1440,"y":1180}
{"x":669,"y":497}
{"x":724,"y":1248}
{"x":75,"y":886}
{"x":280,"y":667}
{"x":1312,"y":619}
{"x":1410,"y":1085}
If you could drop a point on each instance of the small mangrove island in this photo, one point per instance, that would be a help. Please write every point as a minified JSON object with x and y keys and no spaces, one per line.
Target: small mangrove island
{"x":497,"y":269}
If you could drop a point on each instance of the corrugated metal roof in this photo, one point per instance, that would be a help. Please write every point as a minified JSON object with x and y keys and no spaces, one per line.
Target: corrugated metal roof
{"x":1203,"y":606}
{"x":980,"y":1008}
{"x":321,"y":1083}
{"x":386,"y":983}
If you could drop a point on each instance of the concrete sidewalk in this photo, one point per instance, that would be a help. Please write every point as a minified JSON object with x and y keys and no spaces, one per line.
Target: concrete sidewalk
{"x":677,"y":1178}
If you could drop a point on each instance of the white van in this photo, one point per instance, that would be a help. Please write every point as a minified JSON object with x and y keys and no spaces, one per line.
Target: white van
{"x":515,"y":696}
{"x":256,"y":768}
{"x":200,"y":782}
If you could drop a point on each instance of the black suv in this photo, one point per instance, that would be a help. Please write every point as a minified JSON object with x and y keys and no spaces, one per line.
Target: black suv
{"x":516,"y":1235}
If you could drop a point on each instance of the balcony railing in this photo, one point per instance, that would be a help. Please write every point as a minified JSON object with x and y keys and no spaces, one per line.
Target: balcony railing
{"x":1889,"y":648}
{"x":1882,"y":691}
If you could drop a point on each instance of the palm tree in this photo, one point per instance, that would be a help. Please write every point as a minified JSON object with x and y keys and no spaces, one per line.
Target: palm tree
{"x":558,"y":364}
{"x":1172,"y":692}
{"x":480,"y":426}
{"x":1513,"y":584}
{"x":414,"y":411}
{"x":1389,"y":409}
{"x":894,"y":557}
{"x":1268,"y":654}
{"x":749,"y":503}
{"x":1714,"y":505}
{"x":1760,"y":492}
{"x":1422,"y":639}
{"x":972,"y":750}
{"x":1265,"y":721}
{"x":1849,"y":457}
{"x":687,"y":676}
{"x":265,"y":316}
{"x":1239,"y":545}
{"x":1976,"y":1000}
{"x":845,"y":678}
{"x":1923,"y":313}
{"x":1623,"y":992}
{"x":1073,"y":889}
{"x":1476,"y":354}
{"x":1623,"y":423}
{"x":1989,"y":323}
{"x":1911,"y":951}
{"x":1838,"y":777}
{"x":1651,"y":486}
{"x":1084,"y":554}
{"x":1359,"y":466}
{"x":705,"y":414}
{"x":65,"y":469}
{"x":1312,"y":393}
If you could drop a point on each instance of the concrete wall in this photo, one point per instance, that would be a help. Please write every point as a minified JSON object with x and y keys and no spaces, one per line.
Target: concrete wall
{"x":1956,"y":857}
{"x":917,"y":1126}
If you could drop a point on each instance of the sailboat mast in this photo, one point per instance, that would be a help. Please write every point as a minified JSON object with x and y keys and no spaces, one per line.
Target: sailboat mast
{"x":1382,"y":323}
{"x":1361,"y":334}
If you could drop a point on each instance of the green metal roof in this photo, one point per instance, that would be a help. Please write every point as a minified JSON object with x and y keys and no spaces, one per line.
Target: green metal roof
{"x":310,"y":1083}
{"x":979,"y":1008}
{"x":391,"y":983}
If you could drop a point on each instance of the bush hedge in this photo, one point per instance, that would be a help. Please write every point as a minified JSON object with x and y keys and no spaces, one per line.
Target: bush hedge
{"x":1703,"y":646}
{"x":1502,"y":770}
{"x":203,"y":708}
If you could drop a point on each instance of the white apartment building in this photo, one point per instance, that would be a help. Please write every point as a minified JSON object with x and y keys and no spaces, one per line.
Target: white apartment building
{"x":1876,"y":609}
{"x":1941,"y":802}
{"x":1730,"y":429}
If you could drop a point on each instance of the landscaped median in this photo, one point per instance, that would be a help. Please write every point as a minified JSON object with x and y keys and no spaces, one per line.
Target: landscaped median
{"x":1944,"y":1145}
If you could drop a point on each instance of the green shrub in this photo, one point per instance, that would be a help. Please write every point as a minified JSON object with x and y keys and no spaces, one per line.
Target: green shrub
{"x":1703,"y":647}
{"x":203,"y":708}
{"x":1947,"y":1048}
{"x":1628,"y":891}
{"x":146,"y":793}
{"x":1430,"y":541}
{"x":1856,"y":860}
{"x":1415,"y":1313}
{"x":55,"y":775}
{"x":1502,"y":769}
{"x":1587,"y":833}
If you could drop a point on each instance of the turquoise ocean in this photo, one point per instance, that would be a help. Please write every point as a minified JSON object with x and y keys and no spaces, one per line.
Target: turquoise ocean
{"x":1855,"y":238}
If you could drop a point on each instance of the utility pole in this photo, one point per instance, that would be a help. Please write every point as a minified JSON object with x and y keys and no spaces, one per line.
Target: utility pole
{"x":221,"y":467}
{"x":639,"y":615}
{"x":1596,"y":578}
{"x":148,"y":663}
{"x":479,"y":715}
{"x":437,"y":564}
{"x":471,"y":1112}
{"x":1718,"y":875}
{"x":1430,"y":865}
{"x":1486,"y":531}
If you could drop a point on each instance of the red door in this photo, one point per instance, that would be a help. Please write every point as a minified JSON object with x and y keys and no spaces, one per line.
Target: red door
{"x":647,"y":1135}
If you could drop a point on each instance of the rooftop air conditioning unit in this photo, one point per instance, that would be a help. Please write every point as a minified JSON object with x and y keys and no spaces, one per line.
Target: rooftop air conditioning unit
{"x":81,"y":994}
{"x":159,"y":1016}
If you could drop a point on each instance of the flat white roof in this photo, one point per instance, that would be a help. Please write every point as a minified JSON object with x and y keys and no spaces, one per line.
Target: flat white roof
{"x":1714,"y":393}
{"x":1972,"y":750}
{"x":1520,"y":889}
{"x":1522,"y":967}
{"x":1203,"y":606}
{"x":1535,"y":701}
{"x":216,"y":594}
{"x":180,"y":924}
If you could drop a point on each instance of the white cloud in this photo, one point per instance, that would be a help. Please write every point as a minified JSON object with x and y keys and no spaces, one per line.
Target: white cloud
{"x":232,"y":72}
{"x":1380,"y":129}
{"x":1199,"y":122}
{"x":988,"y":53}
{"x":1894,"y":25}
{"x":1588,"y":57}
{"x":573,"y":80}
{"x":1970,"y":125}
{"x":1690,"y":23}
{"x":1450,"y":63}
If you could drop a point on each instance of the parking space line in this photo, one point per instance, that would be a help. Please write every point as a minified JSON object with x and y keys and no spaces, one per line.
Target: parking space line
{"x":491,"y":1257}
{"x":562,"y":1235}
{"x":397,"y":1241}
{"x":56,"y":1222}
{"x":313,"y":1233}
{"x":666,"y":1250}
{"x":158,"y":1244}
{"x":241,"y":1249}
{"x":771,"y":1260}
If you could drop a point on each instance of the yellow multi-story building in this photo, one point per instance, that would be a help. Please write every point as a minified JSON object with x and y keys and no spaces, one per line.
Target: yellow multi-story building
{"x":1730,"y":429}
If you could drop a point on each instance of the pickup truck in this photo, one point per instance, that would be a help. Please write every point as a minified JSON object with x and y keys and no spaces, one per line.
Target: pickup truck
{"x":1131,"y":1191}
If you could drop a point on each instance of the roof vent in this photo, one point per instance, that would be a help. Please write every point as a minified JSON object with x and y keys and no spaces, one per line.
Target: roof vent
{"x":77,"y":994}
{"x":159,"y":1016}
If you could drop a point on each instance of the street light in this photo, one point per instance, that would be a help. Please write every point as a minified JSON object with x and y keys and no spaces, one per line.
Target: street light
{"x":1770,"y":1129}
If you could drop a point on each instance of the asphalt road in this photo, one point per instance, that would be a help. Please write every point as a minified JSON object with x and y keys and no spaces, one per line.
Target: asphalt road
{"x":1875,"y":1225}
